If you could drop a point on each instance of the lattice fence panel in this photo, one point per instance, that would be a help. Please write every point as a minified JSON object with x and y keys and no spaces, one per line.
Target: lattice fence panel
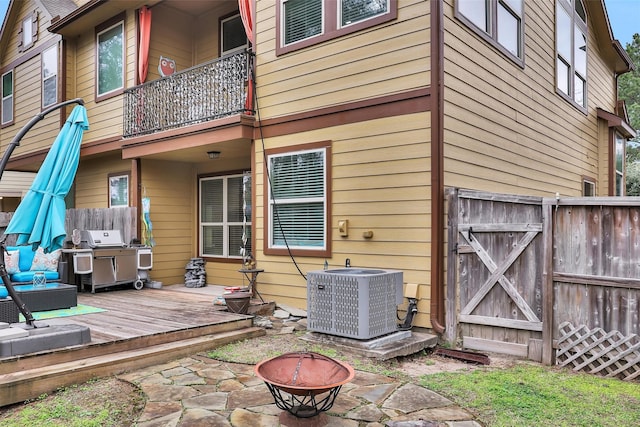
{"x":596,"y":351}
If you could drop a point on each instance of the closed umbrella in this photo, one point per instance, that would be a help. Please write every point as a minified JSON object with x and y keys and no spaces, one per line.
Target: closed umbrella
{"x":39,"y":219}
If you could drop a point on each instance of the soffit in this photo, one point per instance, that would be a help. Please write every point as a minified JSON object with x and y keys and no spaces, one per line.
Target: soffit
{"x":94,"y":12}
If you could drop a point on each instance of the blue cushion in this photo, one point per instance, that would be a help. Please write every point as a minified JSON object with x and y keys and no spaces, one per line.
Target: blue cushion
{"x":27,"y":276}
{"x":26,"y":256}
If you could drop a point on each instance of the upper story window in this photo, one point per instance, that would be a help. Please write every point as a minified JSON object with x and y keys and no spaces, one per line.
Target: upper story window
{"x":571,"y":51}
{"x":302,"y":23}
{"x":28,"y":32}
{"x":50,"y":76}
{"x":233,"y":38}
{"x":110,"y":60}
{"x":500,"y":22}
{"x":7,"y":97}
{"x":298,"y":205}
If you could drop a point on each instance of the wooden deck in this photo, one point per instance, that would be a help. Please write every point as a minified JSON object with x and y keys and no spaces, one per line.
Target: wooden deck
{"x":137,"y":329}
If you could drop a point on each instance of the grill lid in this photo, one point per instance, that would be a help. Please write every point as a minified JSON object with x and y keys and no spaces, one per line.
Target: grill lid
{"x":102,"y":238}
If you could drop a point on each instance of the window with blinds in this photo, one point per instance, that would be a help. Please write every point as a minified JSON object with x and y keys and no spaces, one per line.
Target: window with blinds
{"x":302,"y":23}
{"x":225,"y":216}
{"x":297,"y":202}
{"x":302,"y":19}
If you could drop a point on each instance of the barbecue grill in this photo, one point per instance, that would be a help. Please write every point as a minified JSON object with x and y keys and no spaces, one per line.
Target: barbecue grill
{"x":104,"y":260}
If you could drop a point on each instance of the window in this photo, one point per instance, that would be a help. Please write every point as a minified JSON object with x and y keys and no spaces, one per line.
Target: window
{"x":302,"y":19}
{"x":118,"y":190}
{"x":303,"y":23}
{"x":225,"y":216}
{"x":571,"y":51}
{"x":354,"y":11}
{"x":619,"y":162}
{"x":110,"y":61}
{"x":298,"y":206}
{"x":233,"y":38}
{"x":50,"y":76}
{"x":7,"y":97}
{"x":500,"y":22}
{"x":588,"y":187}
{"x":28,"y":32}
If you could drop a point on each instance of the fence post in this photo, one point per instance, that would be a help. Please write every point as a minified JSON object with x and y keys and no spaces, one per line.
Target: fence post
{"x":451,"y":308}
{"x":547,"y":283}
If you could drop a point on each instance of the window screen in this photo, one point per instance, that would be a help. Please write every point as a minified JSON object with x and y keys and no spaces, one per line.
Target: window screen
{"x":353,"y":11}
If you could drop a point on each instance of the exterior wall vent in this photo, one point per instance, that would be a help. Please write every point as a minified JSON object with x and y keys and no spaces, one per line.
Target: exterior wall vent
{"x":353,"y":302}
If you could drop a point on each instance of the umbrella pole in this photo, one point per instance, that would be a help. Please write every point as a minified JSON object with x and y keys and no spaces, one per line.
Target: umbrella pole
{"x":28,"y":316}
{"x":29,"y":320}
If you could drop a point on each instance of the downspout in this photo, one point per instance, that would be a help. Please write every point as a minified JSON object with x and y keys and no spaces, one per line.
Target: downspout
{"x":437,"y":166}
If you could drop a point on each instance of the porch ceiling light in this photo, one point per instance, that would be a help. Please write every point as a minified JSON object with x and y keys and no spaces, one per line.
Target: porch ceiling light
{"x":213,"y":154}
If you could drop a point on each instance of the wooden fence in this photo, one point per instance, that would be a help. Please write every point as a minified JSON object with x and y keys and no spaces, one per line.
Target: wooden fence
{"x":555,"y":280}
{"x":123,"y":219}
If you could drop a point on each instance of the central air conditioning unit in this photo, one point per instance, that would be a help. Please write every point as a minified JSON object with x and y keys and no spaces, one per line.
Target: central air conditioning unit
{"x":354,"y":302}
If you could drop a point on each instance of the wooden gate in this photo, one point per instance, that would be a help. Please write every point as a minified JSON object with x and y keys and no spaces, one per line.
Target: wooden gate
{"x":499,"y":247}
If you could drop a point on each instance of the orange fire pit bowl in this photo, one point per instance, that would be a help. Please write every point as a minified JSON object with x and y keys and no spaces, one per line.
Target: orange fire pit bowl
{"x":304,"y":377}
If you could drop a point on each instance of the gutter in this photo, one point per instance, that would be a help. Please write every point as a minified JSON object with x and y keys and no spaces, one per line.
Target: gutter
{"x":437,"y":167}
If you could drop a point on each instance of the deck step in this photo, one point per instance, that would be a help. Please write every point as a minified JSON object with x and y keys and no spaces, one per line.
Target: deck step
{"x":75,"y":353}
{"x":21,"y":385}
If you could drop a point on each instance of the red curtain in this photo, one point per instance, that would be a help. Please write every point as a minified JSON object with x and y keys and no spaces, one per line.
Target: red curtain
{"x":143,"y":50}
{"x":246,"y":13}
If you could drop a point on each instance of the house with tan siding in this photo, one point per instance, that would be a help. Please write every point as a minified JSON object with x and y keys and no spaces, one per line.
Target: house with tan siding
{"x":260,"y":126}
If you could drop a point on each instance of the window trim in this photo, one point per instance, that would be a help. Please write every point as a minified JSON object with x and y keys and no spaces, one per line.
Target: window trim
{"x":221,"y":21}
{"x":119,"y":175}
{"x":491,"y":37}
{"x":569,"y":8}
{"x":13,"y":88}
{"x":100,"y":29}
{"x":226,"y":257}
{"x":326,"y":251}
{"x":54,"y":76}
{"x":331,"y":28}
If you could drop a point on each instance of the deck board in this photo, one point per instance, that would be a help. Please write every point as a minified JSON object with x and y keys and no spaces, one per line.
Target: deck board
{"x":134,"y":313}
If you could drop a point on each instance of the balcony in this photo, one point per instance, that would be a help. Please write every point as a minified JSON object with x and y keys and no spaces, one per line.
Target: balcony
{"x":205,"y":92}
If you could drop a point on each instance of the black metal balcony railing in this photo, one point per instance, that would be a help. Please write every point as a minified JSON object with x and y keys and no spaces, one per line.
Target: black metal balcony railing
{"x":205,"y":92}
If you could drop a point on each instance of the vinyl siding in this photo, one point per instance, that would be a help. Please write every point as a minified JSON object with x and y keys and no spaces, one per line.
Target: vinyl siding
{"x":91,"y":180}
{"x":28,"y":83}
{"x":506,"y":129}
{"x":381,"y":60}
{"x":380,"y":182}
{"x":172,"y":213}
{"x":105,"y":117}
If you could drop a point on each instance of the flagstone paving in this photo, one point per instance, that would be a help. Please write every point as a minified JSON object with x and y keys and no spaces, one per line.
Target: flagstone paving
{"x":199,"y":391}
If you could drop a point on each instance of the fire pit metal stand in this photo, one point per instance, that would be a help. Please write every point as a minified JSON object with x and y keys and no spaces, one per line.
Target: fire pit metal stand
{"x":304,"y":384}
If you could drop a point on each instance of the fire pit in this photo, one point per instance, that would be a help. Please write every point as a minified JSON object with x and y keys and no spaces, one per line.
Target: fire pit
{"x":304,"y":383}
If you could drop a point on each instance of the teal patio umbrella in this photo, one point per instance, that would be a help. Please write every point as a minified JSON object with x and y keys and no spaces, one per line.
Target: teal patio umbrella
{"x":39,"y":218}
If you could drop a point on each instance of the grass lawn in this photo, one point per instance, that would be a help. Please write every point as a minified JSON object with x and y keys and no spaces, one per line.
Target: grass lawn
{"x":532,"y":395}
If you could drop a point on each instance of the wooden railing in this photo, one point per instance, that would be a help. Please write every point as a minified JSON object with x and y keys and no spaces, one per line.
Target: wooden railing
{"x":205,"y":92}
